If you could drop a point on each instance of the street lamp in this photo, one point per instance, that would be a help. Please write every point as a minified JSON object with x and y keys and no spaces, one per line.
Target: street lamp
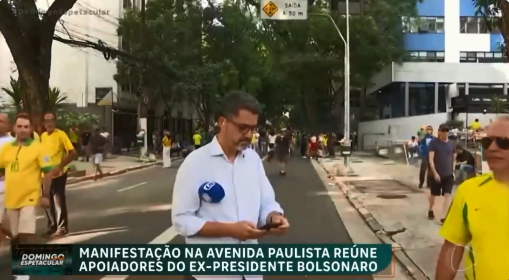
{"x":347,"y":143}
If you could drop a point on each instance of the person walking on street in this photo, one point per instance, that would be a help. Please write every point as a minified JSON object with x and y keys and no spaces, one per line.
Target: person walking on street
{"x":442,"y":161}
{"x":85,"y":138}
{"x":97,"y":145}
{"x":424,"y":154}
{"x":221,"y":193}
{"x":21,"y":162}
{"x":197,"y":140}
{"x":166,"y":142}
{"x":5,"y":137}
{"x":282,"y":150}
{"x":476,"y":228}
{"x":61,"y":152}
{"x":73,"y":136}
{"x":106,"y":135}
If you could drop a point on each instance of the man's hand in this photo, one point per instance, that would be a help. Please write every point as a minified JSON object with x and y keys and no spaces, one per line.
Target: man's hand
{"x":44,"y":202}
{"x":245,"y":230}
{"x":282,"y":221}
{"x":436,"y":177}
{"x":56,"y":170}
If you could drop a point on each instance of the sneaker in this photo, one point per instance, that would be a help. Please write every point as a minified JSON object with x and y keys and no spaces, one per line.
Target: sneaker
{"x":60,"y":233}
{"x":431,"y":215}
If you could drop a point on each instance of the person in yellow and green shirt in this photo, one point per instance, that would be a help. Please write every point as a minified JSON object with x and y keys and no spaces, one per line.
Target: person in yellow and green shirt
{"x":21,"y":162}
{"x":475,"y":125}
{"x":73,"y":136}
{"x":197,"y":140}
{"x":476,"y":227}
{"x":166,"y":142}
{"x":61,"y":152}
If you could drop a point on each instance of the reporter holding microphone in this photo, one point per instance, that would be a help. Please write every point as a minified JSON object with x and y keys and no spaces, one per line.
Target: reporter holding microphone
{"x":222,"y":194}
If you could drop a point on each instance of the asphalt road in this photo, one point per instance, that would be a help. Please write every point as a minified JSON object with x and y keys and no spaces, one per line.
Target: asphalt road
{"x":135,"y":208}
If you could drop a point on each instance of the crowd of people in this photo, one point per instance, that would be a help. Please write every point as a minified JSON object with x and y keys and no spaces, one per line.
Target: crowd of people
{"x":34,"y":169}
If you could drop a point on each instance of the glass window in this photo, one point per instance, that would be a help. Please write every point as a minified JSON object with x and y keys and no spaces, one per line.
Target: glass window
{"x":463,"y":54}
{"x":440,"y":54}
{"x":497,"y":54}
{"x":440,"y":24}
{"x":422,"y":98}
{"x":471,"y":55}
{"x":472,"y":25}
{"x":442,"y":89}
{"x":463,"y":24}
{"x":480,"y":54}
{"x":413,"y":25}
{"x":488,"y":55}
{"x":483,"y":28}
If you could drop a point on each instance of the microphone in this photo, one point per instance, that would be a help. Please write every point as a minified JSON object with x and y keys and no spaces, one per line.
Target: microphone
{"x":211,"y":192}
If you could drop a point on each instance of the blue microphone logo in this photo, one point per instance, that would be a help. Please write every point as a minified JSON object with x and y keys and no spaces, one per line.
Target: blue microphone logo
{"x":211,"y":192}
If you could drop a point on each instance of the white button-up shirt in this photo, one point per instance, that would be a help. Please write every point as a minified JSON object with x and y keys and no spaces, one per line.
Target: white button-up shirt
{"x":249,"y":196}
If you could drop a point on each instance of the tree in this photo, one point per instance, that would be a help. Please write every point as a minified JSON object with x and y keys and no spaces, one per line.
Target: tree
{"x":56,"y":99}
{"x":496,"y":16}
{"x":29,"y":36}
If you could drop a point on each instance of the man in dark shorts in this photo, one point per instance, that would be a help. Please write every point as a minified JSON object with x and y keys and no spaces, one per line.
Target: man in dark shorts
{"x":442,"y":157}
{"x":282,"y":149}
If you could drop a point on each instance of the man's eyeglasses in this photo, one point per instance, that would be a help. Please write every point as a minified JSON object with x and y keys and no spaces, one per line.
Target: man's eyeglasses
{"x":242,"y":127}
{"x":502,"y":142}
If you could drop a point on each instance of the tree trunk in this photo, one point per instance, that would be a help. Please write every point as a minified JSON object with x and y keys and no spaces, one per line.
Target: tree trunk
{"x":30,"y":39}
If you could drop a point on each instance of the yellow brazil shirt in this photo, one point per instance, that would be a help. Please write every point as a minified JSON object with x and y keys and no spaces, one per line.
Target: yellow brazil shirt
{"x":166,"y":142}
{"x":73,"y":136}
{"x":22,"y":166}
{"x":197,"y":139}
{"x":36,"y":137}
{"x":57,"y":145}
{"x":479,"y":220}
{"x":475,"y":125}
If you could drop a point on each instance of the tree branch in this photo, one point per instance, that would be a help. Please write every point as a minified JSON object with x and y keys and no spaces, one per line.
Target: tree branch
{"x":56,"y":11}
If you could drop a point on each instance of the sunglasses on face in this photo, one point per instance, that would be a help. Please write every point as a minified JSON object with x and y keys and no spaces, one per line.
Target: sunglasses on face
{"x":502,"y":142}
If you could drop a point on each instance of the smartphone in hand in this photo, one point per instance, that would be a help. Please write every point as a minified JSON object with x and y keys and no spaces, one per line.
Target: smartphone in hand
{"x":268,"y":227}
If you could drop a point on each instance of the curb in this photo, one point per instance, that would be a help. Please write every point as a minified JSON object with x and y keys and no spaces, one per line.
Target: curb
{"x":72,"y":181}
{"x":351,"y":193}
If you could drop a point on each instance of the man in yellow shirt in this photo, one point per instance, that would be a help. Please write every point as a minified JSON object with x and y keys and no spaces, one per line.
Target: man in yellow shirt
{"x":477,"y":225}
{"x":197,"y":140}
{"x":61,"y":152}
{"x":475,"y":125}
{"x":21,"y":161}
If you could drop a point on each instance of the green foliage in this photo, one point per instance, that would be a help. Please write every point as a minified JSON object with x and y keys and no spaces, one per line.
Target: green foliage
{"x":56,"y":98}
{"x":197,"y":54}
{"x":498,"y":106}
{"x":496,"y":16}
{"x":68,"y":119}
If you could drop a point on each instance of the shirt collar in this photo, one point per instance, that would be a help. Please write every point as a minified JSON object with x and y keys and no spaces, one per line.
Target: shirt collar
{"x":216,"y":150}
{"x":27,"y":143}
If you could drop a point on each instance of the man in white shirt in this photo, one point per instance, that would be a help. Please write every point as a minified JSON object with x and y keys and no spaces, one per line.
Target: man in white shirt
{"x":5,"y":137}
{"x":222,"y":194}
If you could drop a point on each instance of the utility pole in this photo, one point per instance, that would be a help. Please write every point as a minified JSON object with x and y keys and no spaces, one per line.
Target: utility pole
{"x":347,"y":84}
{"x":142,"y":118}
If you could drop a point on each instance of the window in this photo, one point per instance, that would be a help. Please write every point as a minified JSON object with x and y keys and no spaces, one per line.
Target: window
{"x":100,"y":93}
{"x":423,"y":25}
{"x":425,"y":56}
{"x":476,"y":25}
{"x":482,"y":57}
{"x":422,"y":98}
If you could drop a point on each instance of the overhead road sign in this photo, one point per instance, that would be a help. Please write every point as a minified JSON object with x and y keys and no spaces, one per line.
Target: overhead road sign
{"x":284,"y":9}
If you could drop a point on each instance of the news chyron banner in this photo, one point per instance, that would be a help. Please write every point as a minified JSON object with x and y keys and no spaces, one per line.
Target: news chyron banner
{"x":225,"y":259}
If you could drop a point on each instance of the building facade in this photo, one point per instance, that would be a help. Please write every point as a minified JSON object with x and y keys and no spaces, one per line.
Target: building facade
{"x":453,"y":69}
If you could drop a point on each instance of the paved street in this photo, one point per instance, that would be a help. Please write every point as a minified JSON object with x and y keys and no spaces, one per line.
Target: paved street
{"x":135,"y":208}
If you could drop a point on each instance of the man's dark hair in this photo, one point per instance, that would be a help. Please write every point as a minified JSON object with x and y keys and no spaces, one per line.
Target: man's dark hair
{"x":50,"y":113}
{"x":234,"y":101}
{"x":459,"y":147}
{"x":476,"y":120}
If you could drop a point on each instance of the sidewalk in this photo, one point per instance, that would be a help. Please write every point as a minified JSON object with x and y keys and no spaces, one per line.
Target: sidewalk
{"x":386,"y":194}
{"x":113,"y":165}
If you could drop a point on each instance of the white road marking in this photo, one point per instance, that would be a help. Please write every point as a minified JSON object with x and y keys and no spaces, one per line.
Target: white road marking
{"x":163,"y":238}
{"x":132,"y":187}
